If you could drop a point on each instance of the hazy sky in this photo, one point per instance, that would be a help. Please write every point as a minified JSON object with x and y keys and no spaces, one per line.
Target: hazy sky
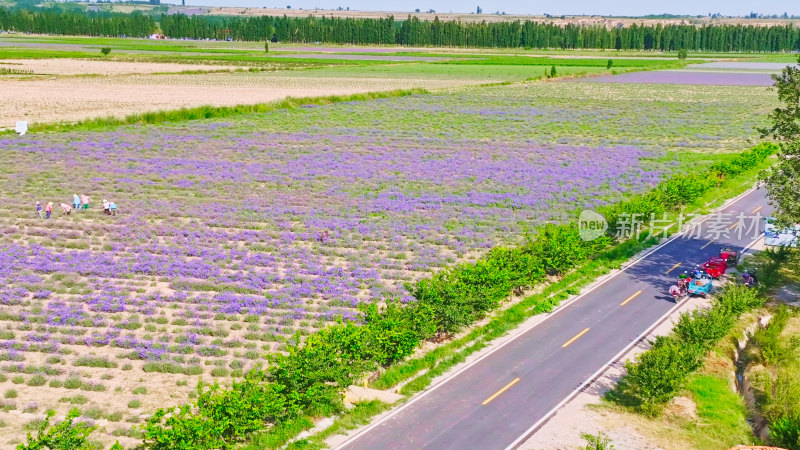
{"x":616,"y":7}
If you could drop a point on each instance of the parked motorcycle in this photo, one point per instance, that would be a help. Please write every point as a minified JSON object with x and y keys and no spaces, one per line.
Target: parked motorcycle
{"x":681,"y":288}
{"x":749,"y":278}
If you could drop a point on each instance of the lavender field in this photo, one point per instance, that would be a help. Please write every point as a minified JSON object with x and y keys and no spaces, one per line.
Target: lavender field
{"x":234,"y":235}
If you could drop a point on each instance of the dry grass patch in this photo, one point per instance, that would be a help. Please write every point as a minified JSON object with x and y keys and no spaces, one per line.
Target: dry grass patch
{"x":74,"y":99}
{"x":68,"y":66}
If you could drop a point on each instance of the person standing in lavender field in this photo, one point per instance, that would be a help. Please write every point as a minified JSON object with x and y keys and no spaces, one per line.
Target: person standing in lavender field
{"x":39,"y":209}
{"x":85,"y":201}
{"x":48,"y":209}
{"x":76,"y":202}
{"x":112,"y":207}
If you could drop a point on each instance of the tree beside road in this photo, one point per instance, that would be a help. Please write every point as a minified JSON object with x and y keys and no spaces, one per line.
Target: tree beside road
{"x":783,"y":180}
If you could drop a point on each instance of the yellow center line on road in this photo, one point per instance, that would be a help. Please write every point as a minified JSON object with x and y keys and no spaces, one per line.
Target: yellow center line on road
{"x":756,"y":210}
{"x":707,"y":244}
{"x":671,"y":269}
{"x":627,"y":300}
{"x":566,"y":344}
{"x":497,"y":394}
{"x":735,"y":224}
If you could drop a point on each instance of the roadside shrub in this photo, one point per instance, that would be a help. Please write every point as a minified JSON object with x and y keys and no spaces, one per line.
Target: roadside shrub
{"x":657,"y":375}
{"x":319,"y":370}
{"x":600,"y":441}
{"x":703,"y":329}
{"x":225,"y":416}
{"x":560,"y":247}
{"x":394,"y":331}
{"x":105,"y":51}
{"x":737,"y":299}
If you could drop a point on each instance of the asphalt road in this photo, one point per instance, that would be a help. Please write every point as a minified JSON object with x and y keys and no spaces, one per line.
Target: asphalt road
{"x":495,"y":403}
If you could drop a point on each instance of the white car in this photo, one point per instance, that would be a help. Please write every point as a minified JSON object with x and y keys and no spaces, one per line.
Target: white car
{"x":787,"y":237}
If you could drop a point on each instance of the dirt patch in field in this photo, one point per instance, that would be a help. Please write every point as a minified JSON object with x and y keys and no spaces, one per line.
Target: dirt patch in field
{"x":66,"y":66}
{"x":73,"y":99}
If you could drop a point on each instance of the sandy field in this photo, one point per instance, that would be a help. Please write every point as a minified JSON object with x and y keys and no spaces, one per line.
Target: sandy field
{"x":67,"y":66}
{"x":76,"y":98}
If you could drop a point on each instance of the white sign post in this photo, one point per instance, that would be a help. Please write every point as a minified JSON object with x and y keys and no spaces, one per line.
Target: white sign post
{"x":22,"y":127}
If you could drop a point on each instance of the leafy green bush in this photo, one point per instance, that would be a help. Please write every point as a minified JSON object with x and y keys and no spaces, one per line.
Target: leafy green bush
{"x":783,"y":400}
{"x":600,"y":441}
{"x":737,"y":299}
{"x":559,"y":248}
{"x":657,"y":375}
{"x":703,"y":329}
{"x":225,"y":416}
{"x":773,"y":350}
{"x":785,"y":432}
{"x":66,"y":435}
{"x":394,"y":331}
{"x":319,"y":370}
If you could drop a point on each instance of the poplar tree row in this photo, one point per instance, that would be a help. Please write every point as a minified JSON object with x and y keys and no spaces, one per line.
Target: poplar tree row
{"x":411,"y":31}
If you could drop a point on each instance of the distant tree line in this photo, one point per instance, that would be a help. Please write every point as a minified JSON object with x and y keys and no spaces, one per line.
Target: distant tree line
{"x":88,"y":23}
{"x":412,"y":31}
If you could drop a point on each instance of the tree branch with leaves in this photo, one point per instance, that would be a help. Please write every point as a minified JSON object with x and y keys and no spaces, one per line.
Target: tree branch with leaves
{"x":783,"y":180}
